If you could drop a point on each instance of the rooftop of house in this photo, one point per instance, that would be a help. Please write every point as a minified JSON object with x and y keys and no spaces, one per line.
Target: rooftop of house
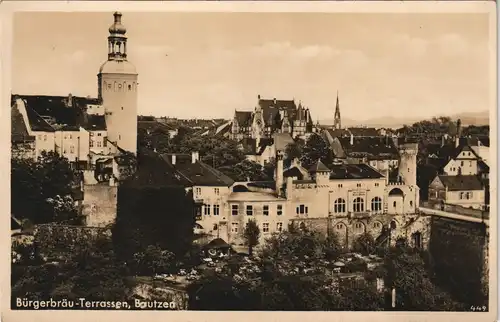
{"x":253,"y":196}
{"x":50,"y":113}
{"x":354,"y":171}
{"x":282,"y":140}
{"x":152,"y":125}
{"x":293,"y":172}
{"x":319,"y":167}
{"x":19,"y":131}
{"x":196,"y":173}
{"x":373,"y":148}
{"x":461,"y":183}
{"x":153,"y":171}
{"x":95,"y":123}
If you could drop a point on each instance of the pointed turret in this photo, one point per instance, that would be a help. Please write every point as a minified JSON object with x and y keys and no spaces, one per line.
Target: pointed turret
{"x":336,"y":122}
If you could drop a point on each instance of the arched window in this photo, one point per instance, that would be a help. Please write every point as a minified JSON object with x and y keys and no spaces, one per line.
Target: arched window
{"x":358,"y":205}
{"x":376,"y":204}
{"x":339,"y":206}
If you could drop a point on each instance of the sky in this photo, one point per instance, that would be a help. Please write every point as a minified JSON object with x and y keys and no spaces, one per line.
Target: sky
{"x":207,"y":65}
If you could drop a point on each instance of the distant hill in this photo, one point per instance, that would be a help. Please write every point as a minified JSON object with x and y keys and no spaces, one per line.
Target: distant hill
{"x":470,"y":118}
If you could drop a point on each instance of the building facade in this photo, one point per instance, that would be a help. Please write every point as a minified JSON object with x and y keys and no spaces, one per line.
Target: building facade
{"x":272,"y":116}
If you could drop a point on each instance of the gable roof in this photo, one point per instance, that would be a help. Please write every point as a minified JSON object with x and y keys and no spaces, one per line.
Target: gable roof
{"x":152,"y":171}
{"x":243,"y":118}
{"x":293,"y":172}
{"x":459,"y":183}
{"x":354,"y":171}
{"x":198,"y":173}
{"x":19,"y":131}
{"x":60,"y":112}
{"x":319,"y":167}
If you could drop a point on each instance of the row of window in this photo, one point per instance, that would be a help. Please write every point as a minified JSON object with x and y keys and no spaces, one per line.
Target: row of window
{"x":358,"y":205}
{"x":466,"y":195}
{"x":99,"y":144}
{"x":216,"y":210}
{"x":249,"y":210}
{"x":109,"y":86}
{"x":197,"y":191}
{"x":264,"y":227}
{"x":358,"y":226}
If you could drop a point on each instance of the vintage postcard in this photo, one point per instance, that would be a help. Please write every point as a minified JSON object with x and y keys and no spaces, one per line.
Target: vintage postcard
{"x":213,"y":160}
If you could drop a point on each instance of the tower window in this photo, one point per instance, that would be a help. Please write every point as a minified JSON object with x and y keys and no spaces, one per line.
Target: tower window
{"x":122,"y":108}
{"x":129,"y":87}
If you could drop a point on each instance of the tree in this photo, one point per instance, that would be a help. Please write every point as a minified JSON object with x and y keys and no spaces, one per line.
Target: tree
{"x":316,"y":149}
{"x":407,"y":273}
{"x":294,"y":151}
{"x":157,"y":139}
{"x":41,"y":189}
{"x":245,"y":170}
{"x":153,"y":260}
{"x":162,"y":216}
{"x":91,"y":272}
{"x":364,"y":244}
{"x":251,"y":235}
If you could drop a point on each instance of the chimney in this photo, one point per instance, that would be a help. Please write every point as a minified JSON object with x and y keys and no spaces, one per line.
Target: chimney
{"x":289,"y":187}
{"x":194,"y":157}
{"x":258,"y":96}
{"x":274,"y":101}
{"x":352,"y":139}
{"x":279,"y":171}
{"x":70,"y":100}
{"x":174,"y":157}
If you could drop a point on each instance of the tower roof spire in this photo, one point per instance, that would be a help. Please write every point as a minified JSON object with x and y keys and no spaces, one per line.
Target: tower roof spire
{"x":336,"y":121}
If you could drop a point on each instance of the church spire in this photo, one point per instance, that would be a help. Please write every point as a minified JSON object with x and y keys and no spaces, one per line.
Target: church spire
{"x":117,"y":41}
{"x":336,"y":122}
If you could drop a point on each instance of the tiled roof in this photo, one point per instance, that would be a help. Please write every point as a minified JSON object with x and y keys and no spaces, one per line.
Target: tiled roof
{"x":19,"y":131}
{"x":37,"y":123}
{"x":57,"y":112}
{"x":319,"y":167}
{"x":338,"y":133}
{"x":354,"y":171}
{"x":253,"y":196}
{"x":96,"y":123}
{"x":282,"y":140}
{"x":483,"y":166}
{"x":244,"y":118}
{"x":293,"y":172}
{"x":153,"y":125}
{"x":198,"y":173}
{"x":363,"y":131}
{"x":370,"y":147}
{"x":152,"y":171}
{"x":459,"y":183}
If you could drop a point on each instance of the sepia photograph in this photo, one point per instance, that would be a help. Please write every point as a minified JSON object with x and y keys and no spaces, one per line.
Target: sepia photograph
{"x":253,"y":160}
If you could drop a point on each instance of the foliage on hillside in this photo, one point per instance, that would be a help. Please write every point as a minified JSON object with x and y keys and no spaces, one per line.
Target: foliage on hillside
{"x":41,"y":189}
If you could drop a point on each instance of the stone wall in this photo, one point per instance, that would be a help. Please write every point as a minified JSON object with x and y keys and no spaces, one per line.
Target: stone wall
{"x":459,"y":253}
{"x":348,"y":229}
{"x":99,"y":204}
{"x":163,"y":293}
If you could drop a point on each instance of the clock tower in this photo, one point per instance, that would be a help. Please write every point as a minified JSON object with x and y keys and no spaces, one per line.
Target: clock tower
{"x":117,"y":89}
